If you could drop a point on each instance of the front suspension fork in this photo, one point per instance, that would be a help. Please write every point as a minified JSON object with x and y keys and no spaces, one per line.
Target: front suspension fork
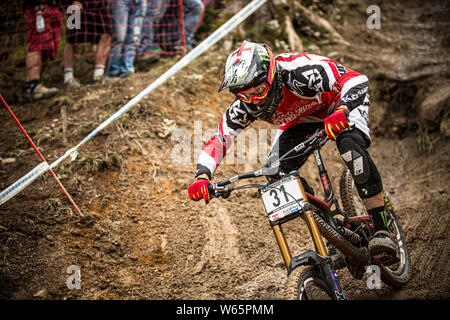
{"x":325,"y":261}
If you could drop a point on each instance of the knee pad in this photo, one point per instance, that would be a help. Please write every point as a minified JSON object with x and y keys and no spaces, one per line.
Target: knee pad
{"x":353,"y":150}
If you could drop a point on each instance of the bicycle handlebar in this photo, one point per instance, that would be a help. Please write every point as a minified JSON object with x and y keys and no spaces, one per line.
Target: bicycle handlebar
{"x":316,"y":141}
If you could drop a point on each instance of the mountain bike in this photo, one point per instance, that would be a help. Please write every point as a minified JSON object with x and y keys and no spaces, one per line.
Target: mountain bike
{"x":348,"y":230}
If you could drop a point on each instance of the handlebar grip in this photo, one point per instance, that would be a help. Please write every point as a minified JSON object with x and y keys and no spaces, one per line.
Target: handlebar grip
{"x":211,"y":192}
{"x":210,"y":189}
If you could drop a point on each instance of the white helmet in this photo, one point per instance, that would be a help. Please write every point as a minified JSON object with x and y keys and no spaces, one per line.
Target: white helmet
{"x":248,"y":66}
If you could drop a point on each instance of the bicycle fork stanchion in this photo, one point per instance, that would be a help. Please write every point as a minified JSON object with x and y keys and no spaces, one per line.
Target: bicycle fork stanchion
{"x":282,"y":243}
{"x":312,"y":225}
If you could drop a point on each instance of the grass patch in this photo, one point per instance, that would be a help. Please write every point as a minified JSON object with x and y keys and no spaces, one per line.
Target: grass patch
{"x":424,"y":143}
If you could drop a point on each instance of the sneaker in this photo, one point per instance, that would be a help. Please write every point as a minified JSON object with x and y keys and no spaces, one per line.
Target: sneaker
{"x":174,"y":49}
{"x":149,"y":58}
{"x":337,"y":257}
{"x":73,"y":83}
{"x":111,"y":79}
{"x":24,"y":95}
{"x":126,"y":74}
{"x":383,"y":249}
{"x":39,"y":92}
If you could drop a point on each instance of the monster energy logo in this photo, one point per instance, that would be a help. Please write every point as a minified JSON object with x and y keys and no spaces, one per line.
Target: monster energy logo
{"x":236,"y":79}
{"x":383,"y":216}
{"x":242,"y":77}
{"x":262,"y":53}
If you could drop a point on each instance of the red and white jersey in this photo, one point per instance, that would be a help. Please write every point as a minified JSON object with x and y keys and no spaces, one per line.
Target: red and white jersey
{"x":313,"y":86}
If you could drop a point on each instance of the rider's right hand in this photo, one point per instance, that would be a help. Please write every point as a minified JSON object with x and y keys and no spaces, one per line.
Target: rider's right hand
{"x":199,"y":189}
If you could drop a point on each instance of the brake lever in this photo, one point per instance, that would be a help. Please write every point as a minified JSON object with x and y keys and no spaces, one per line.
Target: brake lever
{"x":213,"y":193}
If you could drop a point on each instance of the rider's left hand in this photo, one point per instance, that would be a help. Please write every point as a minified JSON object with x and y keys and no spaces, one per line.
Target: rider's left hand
{"x":336,"y":122}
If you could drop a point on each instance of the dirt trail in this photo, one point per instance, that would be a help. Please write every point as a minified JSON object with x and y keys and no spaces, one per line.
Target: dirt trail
{"x":144,"y":239}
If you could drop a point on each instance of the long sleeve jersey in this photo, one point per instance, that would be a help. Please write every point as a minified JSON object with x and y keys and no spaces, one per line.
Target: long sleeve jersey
{"x":313,"y":87}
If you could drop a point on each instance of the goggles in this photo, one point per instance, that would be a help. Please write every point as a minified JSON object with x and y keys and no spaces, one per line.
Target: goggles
{"x":253,"y":93}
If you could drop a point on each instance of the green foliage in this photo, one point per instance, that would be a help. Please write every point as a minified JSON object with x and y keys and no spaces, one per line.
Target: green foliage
{"x":64,"y":101}
{"x":264,"y":32}
{"x":210,"y":22}
{"x":85,"y":129}
{"x":424,"y":143}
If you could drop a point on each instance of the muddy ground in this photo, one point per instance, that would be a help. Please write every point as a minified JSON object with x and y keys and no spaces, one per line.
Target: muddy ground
{"x":142,"y":238}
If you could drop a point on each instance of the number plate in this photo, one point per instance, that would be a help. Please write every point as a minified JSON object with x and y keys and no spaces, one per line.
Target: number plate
{"x":282,"y":198}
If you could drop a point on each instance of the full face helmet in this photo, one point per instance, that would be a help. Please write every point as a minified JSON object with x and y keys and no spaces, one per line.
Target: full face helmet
{"x":250,"y":74}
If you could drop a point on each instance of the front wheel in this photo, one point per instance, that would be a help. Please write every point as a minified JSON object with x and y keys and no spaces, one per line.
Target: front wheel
{"x":306,"y":283}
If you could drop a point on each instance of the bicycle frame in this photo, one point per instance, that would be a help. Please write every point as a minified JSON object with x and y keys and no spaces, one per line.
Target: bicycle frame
{"x":330,"y":198}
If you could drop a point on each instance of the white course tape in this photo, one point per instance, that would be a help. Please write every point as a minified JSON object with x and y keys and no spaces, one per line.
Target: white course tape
{"x":197,"y":51}
{"x":23,"y":182}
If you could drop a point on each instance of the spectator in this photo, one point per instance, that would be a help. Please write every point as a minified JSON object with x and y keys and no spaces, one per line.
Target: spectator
{"x":127,"y":17}
{"x":193,"y":11}
{"x":43,"y":41}
{"x":96,"y":29}
{"x":167,"y":30}
{"x":149,"y":42}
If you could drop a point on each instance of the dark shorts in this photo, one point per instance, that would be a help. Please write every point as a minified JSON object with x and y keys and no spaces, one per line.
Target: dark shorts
{"x":292,"y":137}
{"x":95,"y":22}
{"x":47,"y":41}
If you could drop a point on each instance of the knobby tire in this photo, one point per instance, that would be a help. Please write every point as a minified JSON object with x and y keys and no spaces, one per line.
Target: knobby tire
{"x":395,"y":275}
{"x":306,"y":283}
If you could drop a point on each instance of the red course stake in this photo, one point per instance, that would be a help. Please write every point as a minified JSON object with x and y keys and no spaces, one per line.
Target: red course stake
{"x":41,"y":157}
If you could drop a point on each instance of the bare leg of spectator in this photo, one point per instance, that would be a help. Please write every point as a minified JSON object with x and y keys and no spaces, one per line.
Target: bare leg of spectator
{"x":101,"y":55}
{"x":69,"y":56}
{"x":34,"y":65}
{"x":69,"y":59}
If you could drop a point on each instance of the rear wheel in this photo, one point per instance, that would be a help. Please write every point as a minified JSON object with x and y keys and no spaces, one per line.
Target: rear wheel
{"x":306,"y":283}
{"x":394,"y":275}
{"x":351,"y":202}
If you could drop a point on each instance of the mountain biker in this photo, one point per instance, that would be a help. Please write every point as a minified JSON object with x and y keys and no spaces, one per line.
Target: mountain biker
{"x":301,"y":92}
